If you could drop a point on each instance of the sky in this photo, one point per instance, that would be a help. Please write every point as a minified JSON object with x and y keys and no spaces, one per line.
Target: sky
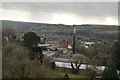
{"x":61,"y":12}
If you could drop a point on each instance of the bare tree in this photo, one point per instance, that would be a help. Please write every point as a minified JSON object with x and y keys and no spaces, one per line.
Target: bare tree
{"x":76,"y":61}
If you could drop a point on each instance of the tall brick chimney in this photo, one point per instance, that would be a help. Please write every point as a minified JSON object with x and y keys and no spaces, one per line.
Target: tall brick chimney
{"x":74,"y":35}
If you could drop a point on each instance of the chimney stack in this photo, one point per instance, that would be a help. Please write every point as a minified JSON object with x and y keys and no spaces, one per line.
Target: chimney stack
{"x":74,"y":35}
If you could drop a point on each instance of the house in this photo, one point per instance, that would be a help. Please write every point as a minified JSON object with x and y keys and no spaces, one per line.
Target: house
{"x":64,"y":44}
{"x":88,"y":44}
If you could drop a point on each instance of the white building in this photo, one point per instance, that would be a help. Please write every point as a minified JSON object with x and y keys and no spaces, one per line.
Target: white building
{"x":88,"y":44}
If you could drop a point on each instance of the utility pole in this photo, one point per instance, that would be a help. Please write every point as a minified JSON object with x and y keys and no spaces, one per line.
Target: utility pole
{"x":74,"y":35}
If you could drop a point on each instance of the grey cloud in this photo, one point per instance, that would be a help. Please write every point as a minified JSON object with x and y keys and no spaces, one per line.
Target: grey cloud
{"x":97,"y":9}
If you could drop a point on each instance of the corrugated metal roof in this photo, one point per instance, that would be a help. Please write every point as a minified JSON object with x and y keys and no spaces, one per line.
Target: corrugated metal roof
{"x":60,"y":60}
{"x":50,"y":52}
{"x":68,"y":65}
{"x":83,"y":66}
{"x":43,"y":45}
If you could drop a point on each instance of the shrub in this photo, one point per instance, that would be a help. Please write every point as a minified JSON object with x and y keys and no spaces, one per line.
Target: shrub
{"x":16,"y":62}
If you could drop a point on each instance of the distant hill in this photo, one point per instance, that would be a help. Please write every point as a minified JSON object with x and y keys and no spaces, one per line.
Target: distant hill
{"x":94,"y":32}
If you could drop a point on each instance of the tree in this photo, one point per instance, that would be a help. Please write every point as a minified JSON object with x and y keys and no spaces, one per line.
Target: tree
{"x":77,"y":59}
{"x":116,"y":54}
{"x":16,"y":63}
{"x":110,"y":72}
{"x":38,"y":55}
{"x":8,"y":32}
{"x":8,"y":35}
{"x":92,"y":70}
{"x":31,"y":39}
{"x":100,"y":52}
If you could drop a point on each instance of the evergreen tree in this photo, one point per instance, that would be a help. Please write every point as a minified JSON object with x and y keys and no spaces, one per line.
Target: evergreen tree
{"x":110,"y":72}
{"x":31,"y":39}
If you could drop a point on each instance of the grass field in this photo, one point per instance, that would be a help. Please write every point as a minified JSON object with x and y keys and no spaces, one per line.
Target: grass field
{"x":71,"y":76}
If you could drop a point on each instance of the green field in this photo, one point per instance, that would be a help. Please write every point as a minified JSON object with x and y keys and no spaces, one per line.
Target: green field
{"x":71,"y":76}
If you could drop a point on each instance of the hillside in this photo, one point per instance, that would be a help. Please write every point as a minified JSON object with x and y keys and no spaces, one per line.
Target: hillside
{"x":55,"y":31}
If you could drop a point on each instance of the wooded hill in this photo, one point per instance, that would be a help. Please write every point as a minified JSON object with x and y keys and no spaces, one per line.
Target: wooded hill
{"x":55,"y":31}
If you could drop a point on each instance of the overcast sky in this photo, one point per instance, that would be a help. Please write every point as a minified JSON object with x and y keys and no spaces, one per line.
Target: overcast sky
{"x":61,"y":12}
